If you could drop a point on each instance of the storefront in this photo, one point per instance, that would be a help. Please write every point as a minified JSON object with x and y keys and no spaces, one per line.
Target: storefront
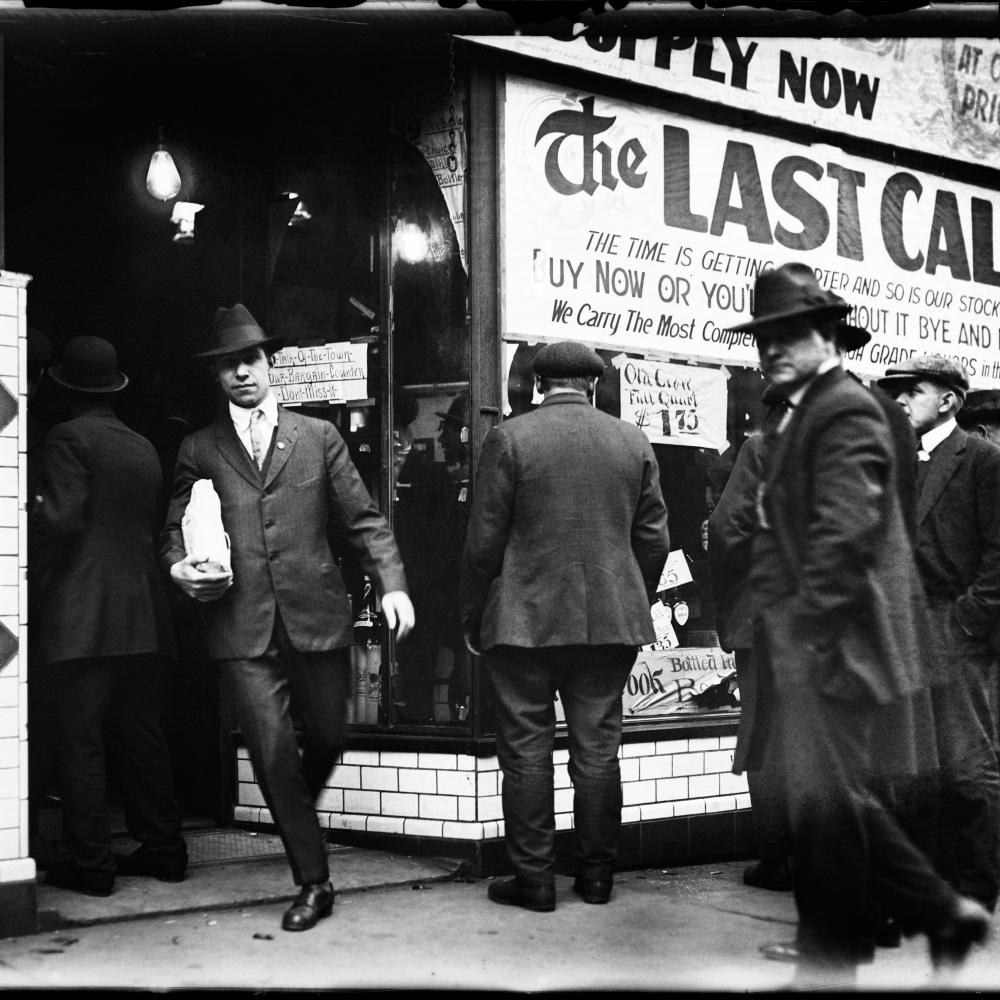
{"x":416,"y":214}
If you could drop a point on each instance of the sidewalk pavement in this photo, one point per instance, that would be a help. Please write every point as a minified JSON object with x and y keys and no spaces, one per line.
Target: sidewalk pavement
{"x":415,"y":923}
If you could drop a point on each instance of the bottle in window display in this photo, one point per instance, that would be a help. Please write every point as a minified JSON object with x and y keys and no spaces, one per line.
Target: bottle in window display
{"x":367,"y":677}
{"x":709,"y":507}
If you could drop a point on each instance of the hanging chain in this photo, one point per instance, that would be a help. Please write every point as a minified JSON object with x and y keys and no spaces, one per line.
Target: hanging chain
{"x":452,"y":121}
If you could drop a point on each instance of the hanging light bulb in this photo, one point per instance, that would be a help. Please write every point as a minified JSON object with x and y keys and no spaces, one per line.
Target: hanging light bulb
{"x":163,"y":181}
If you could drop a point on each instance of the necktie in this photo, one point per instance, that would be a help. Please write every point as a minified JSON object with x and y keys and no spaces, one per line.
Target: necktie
{"x":258,"y":437}
{"x":923,"y":466}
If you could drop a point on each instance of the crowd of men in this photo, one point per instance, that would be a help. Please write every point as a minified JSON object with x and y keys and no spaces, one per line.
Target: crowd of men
{"x":856,"y":567}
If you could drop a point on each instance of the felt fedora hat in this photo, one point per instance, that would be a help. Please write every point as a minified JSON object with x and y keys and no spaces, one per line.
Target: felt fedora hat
{"x":89,"y":364}
{"x":982,"y":404}
{"x":790,"y":292}
{"x":852,"y":337}
{"x":235,"y":330}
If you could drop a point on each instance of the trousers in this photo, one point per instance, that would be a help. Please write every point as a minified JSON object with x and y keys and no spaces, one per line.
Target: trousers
{"x":263,"y":691}
{"x":114,"y":704}
{"x":589,"y":681}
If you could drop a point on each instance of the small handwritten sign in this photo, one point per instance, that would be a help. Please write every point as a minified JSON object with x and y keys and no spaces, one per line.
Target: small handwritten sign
{"x":674,"y":404}
{"x":676,"y":571}
{"x":331,"y":373}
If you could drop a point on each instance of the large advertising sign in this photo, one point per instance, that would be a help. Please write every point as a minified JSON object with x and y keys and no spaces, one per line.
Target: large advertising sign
{"x":936,"y":95}
{"x":635,"y":229}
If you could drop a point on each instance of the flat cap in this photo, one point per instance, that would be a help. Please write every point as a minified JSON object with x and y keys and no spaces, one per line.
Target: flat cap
{"x":566,"y":359}
{"x":931,"y":367}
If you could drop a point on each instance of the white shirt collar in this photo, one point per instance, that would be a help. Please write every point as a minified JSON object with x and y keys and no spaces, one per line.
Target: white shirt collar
{"x":241,"y":415}
{"x":936,"y":435}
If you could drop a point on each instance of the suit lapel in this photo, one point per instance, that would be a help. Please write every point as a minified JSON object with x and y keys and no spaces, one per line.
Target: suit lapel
{"x":944,"y":463}
{"x":233,"y":451}
{"x":284,"y":441}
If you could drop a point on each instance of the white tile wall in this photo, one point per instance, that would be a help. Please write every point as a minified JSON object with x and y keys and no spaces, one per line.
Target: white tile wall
{"x":15,"y":864}
{"x":458,"y":796}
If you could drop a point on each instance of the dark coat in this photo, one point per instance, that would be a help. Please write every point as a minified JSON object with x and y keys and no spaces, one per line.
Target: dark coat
{"x":850,"y":615}
{"x":277,"y":523}
{"x":101,"y":591}
{"x":958,"y":540}
{"x":568,"y":531}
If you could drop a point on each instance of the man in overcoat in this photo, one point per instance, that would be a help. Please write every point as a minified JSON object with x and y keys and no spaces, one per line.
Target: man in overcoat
{"x":838,"y":636}
{"x":958,"y":553}
{"x":566,"y":543}
{"x":280,"y":624}
{"x":107,"y":635}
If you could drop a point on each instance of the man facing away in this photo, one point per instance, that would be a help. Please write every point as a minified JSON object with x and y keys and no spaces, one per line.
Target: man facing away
{"x":566,"y":542}
{"x":105,"y":633}
{"x":280,"y":624}
{"x":837,"y":633}
{"x":958,"y":554}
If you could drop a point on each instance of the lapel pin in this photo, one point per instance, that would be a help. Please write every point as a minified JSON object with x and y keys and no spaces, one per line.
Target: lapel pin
{"x":281,"y":444}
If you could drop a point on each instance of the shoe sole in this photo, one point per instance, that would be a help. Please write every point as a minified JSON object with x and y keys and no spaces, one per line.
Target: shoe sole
{"x":523,"y":904}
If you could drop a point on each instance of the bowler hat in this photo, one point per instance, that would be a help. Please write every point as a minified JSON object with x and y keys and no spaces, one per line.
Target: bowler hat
{"x":928,"y":367}
{"x":458,"y":411}
{"x":235,"y":330}
{"x":983,"y":404}
{"x":568,"y":359}
{"x":89,"y":364}
{"x":790,"y":292}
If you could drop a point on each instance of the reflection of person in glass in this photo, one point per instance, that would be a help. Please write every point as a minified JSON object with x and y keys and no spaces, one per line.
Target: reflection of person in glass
{"x":425,"y":528}
{"x":454,"y":441}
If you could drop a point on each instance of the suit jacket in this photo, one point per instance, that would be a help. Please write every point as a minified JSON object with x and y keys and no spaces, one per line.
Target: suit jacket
{"x":100,"y":587}
{"x":567,"y":535}
{"x":277,"y":521}
{"x":958,"y":539}
{"x":730,"y":533}
{"x":847,"y":605}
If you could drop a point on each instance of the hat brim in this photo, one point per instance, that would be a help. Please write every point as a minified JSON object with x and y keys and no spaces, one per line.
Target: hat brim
{"x":991,"y":413}
{"x":761,"y":325}
{"x":851,"y":337}
{"x":270,"y":345}
{"x":896,"y":382}
{"x":121,"y":380}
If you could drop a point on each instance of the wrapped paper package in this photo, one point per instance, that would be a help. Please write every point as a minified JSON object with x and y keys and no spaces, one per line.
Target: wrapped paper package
{"x":201,"y":526}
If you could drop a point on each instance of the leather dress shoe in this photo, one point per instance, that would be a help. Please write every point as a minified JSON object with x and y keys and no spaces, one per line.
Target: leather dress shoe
{"x":508,"y":892}
{"x":783,"y":951}
{"x":968,"y":924}
{"x":768,"y":875}
{"x":67,"y":875}
{"x":312,"y":904}
{"x":593,"y":890}
{"x":145,"y":863}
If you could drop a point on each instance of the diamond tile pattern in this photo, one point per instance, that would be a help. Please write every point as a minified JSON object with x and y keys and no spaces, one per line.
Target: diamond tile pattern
{"x":8,"y":645}
{"x":8,"y":406}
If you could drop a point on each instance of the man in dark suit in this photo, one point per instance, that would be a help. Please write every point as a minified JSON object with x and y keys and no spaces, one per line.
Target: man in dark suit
{"x":838,"y":638}
{"x":107,"y":632}
{"x":958,"y":553}
{"x":280,"y":624}
{"x":566,"y":543}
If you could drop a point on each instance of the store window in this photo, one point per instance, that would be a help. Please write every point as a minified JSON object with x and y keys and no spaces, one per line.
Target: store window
{"x":430,"y":683}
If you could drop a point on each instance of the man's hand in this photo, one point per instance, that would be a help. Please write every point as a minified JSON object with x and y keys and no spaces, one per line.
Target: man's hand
{"x":207,"y":584}
{"x":398,"y":610}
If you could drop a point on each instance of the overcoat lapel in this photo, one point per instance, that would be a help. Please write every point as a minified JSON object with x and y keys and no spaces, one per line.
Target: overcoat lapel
{"x":945,"y":460}
{"x":233,"y":451}
{"x":284,"y":441}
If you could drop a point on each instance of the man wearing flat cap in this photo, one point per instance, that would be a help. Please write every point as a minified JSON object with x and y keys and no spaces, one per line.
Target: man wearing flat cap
{"x":837,"y":613}
{"x":566,"y":542}
{"x":107,"y":636}
{"x":280,"y":624}
{"x":958,"y":553}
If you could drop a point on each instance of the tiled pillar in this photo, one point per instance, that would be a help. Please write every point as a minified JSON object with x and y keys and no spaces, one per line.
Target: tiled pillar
{"x":17,"y":869}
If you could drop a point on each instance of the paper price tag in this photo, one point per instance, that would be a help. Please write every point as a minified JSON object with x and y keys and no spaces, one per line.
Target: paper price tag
{"x":676,"y":571}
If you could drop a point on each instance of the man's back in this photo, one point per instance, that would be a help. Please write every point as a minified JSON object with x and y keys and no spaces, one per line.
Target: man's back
{"x":569,"y":530}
